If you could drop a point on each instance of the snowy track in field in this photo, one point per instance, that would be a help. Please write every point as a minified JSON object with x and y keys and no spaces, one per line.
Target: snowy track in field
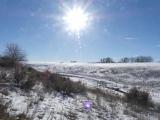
{"x":96,"y":83}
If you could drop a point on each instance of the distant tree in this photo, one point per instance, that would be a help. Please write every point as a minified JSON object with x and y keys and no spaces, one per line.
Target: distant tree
{"x":102,"y":60}
{"x":13,"y":54}
{"x":143,"y":59}
{"x":133,"y":59}
{"x":150,"y":59}
{"x":107,"y":60}
{"x":137,"y":59}
{"x":73,"y":61}
{"x":125,"y":60}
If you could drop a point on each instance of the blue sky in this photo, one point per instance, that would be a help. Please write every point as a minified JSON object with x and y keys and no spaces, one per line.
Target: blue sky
{"x":118,"y":28}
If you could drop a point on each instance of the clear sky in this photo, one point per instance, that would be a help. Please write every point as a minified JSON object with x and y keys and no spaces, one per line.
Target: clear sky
{"x":115,"y":28}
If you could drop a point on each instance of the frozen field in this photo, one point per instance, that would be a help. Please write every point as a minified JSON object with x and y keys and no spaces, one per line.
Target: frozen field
{"x":115,"y":75}
{"x":39,"y":105}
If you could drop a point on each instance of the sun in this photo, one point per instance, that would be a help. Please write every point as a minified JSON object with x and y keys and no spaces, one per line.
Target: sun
{"x":76,"y":20}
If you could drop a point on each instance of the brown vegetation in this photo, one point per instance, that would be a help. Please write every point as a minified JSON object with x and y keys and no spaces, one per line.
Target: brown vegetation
{"x":139,"y":97}
{"x":63,"y":85}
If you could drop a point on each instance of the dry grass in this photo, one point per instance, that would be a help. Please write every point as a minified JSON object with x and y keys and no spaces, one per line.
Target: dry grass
{"x":109,"y":96}
{"x":63,"y":85}
{"x":26,"y":77}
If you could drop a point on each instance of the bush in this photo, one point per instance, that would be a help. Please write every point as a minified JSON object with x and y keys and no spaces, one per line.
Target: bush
{"x":27,"y":85}
{"x":33,"y":74}
{"x":138,"y":97}
{"x":25,"y":78}
{"x":19,"y":75}
{"x":63,"y":85}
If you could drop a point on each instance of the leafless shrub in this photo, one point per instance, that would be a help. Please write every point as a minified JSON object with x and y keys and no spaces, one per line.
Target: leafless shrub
{"x":27,"y":85}
{"x":19,"y":75}
{"x":138,"y":97}
{"x":24,"y":78}
{"x":63,"y":85}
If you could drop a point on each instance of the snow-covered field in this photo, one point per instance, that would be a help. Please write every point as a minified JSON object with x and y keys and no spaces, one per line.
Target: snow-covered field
{"x":118,"y":75}
{"x":53,"y":106}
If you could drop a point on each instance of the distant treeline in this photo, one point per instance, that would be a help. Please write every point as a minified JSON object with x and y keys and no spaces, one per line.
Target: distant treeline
{"x":138,"y":59}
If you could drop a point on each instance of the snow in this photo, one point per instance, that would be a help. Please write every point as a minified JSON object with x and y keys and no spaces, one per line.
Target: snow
{"x":118,"y":75}
{"x":53,"y":106}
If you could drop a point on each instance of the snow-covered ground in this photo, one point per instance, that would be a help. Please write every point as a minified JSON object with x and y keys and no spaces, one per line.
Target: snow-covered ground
{"x":53,"y":106}
{"x":118,"y":75}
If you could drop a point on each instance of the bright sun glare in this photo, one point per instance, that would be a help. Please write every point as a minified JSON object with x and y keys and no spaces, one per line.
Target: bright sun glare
{"x":76,"y":20}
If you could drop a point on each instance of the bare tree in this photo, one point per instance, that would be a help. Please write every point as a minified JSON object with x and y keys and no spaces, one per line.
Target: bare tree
{"x":14,"y":54}
{"x":107,"y":60}
{"x":144,"y":59}
{"x":125,"y":60}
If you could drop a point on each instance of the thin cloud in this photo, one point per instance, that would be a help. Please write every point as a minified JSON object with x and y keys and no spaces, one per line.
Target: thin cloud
{"x":130,"y":38}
